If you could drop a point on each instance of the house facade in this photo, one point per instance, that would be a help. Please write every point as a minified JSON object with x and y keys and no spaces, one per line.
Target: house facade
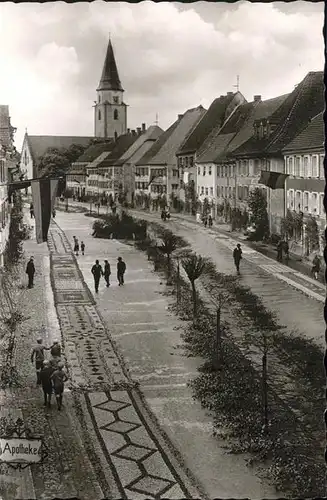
{"x":271,"y":134}
{"x":304,"y":188}
{"x":157,"y":172}
{"x":7,"y":164}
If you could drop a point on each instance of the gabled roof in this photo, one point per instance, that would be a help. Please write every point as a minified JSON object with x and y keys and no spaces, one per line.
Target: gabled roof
{"x":122,"y":144}
{"x":181,"y":128}
{"x":215,"y":143}
{"x":215,"y":114}
{"x":312,"y":137}
{"x":290,"y":118}
{"x":110,"y":78}
{"x":157,"y":145}
{"x":38,"y":144}
{"x":151,"y":134}
{"x":95,"y":150}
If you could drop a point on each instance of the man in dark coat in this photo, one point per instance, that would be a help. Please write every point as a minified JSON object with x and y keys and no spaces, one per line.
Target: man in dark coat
{"x":280,"y":251}
{"x":45,"y":377}
{"x":237,"y":255}
{"x":59,"y":378}
{"x":121,"y":268}
{"x":107,"y":272}
{"x":38,"y":355}
{"x":30,"y":271}
{"x":97,"y":273}
{"x":32,"y":211}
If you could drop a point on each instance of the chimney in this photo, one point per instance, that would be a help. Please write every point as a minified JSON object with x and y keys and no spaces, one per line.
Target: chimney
{"x":257,"y":98}
{"x":139,"y":131}
{"x":180,"y":117}
{"x":230,"y":93}
{"x":143,"y":127}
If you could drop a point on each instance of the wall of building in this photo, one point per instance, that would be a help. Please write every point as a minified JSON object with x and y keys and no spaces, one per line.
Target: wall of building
{"x":26,"y":162}
{"x":4,"y":207}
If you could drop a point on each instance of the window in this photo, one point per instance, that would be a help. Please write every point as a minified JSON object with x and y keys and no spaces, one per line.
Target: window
{"x":321,"y":167}
{"x":202,"y":190}
{"x":314,"y":203}
{"x":211,"y":191}
{"x":229,"y":192}
{"x":179,"y":162}
{"x":99,"y":115}
{"x":199,"y":170}
{"x":99,"y":98}
{"x":306,"y":167}
{"x":290,"y":204}
{"x":290,"y":166}
{"x":207,"y":192}
{"x":301,"y":167}
{"x":191,"y":161}
{"x":297,"y":166}
{"x":210,"y":170}
{"x":321,"y":205}
{"x":305,"y":201}
{"x":115,"y":114}
{"x":298,"y":201}
{"x":174,"y":187}
{"x":218,"y":191}
{"x":314,"y":166}
{"x":245,"y":192}
{"x":116,"y":100}
{"x":204,"y":170}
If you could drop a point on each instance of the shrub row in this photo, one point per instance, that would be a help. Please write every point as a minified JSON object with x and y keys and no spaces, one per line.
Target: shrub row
{"x":118,"y":226}
{"x":233,"y":394}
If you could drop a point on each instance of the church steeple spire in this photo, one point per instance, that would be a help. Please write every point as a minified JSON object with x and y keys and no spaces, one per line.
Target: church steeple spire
{"x":110,"y":78}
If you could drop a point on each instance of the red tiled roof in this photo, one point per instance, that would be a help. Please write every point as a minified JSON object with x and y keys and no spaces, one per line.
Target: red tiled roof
{"x":312,"y":137}
{"x":215,"y":114}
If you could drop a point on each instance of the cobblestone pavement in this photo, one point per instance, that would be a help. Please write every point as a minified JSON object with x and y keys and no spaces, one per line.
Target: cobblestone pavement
{"x":296,"y":299}
{"x":141,"y":462}
{"x":148,"y":336}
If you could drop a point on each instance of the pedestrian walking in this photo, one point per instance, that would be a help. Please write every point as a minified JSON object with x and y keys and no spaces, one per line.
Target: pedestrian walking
{"x":82,"y":247}
{"x":76,"y":246}
{"x":316,"y":265}
{"x":54,"y":213}
{"x":107,"y":272}
{"x":32,"y":211}
{"x":55,"y":351}
{"x":59,"y":378}
{"x":286,"y":249}
{"x":210,"y":221}
{"x":97,"y":273}
{"x":30,"y":271}
{"x":205,"y":221}
{"x":280,"y":251}
{"x":237,"y":256}
{"x":38,"y":356}
{"x":46,"y":381}
{"x":121,"y":268}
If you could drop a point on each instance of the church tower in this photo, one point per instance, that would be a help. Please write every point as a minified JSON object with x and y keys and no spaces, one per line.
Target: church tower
{"x":110,"y":112}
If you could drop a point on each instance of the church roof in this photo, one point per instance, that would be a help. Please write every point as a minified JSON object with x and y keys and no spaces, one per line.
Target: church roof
{"x":110,"y":78}
{"x":38,"y":144}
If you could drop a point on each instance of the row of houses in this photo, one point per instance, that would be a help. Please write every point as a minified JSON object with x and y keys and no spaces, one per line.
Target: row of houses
{"x":8,"y":164}
{"x":214,"y":156}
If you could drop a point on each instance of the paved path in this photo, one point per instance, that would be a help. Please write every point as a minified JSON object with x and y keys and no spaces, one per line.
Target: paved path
{"x":148,"y":336}
{"x":296,"y":299}
{"x":142,"y":464}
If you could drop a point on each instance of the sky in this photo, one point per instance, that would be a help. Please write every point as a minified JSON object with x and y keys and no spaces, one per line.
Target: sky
{"x":170,"y":57}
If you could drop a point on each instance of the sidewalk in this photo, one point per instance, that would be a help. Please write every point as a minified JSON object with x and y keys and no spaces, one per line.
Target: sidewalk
{"x":148,"y":338}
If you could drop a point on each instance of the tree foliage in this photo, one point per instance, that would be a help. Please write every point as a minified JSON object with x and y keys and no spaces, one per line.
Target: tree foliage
{"x":259,"y":215}
{"x":56,"y":161}
{"x":194,"y":265}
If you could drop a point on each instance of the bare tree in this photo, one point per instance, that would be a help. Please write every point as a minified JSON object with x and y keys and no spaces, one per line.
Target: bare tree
{"x":194,"y":265}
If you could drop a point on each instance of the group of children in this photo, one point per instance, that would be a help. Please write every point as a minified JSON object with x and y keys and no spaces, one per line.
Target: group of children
{"x":49,"y":373}
{"x":76,"y":246}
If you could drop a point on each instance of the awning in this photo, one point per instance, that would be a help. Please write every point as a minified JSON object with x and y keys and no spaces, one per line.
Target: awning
{"x":273,"y":180}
